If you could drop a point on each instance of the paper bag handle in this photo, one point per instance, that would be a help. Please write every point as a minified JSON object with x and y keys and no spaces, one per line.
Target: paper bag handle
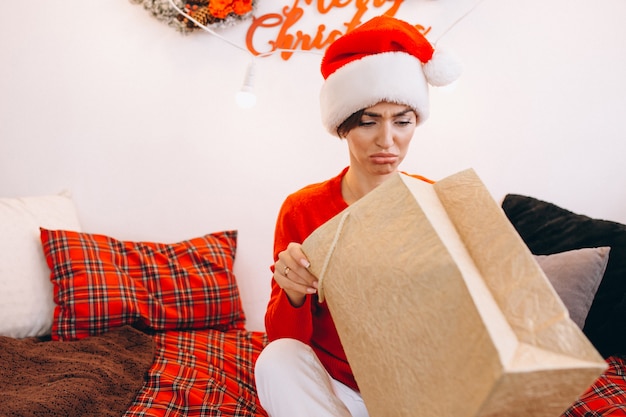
{"x":331,"y":249}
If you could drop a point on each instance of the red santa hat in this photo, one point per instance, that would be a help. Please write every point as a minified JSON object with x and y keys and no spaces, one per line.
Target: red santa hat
{"x":384,"y":59}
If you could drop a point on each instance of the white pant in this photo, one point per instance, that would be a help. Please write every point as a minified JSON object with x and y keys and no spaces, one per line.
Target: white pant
{"x":292,"y":382}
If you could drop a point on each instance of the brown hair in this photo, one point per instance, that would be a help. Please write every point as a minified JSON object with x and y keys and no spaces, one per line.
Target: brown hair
{"x":350,"y":123}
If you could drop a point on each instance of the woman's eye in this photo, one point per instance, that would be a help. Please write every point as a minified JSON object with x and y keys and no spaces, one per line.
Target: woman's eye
{"x":367,"y":123}
{"x":404,"y":122}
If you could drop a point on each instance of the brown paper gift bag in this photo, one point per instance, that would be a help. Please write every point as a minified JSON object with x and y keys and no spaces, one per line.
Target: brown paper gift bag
{"x":441,"y":308}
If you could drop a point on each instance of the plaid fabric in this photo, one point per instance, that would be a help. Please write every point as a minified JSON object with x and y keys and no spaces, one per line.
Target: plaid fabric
{"x":607,"y":396}
{"x":202,"y":373}
{"x":101,"y":283}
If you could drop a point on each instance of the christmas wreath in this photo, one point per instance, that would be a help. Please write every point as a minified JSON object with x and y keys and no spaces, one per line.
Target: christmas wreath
{"x":210,"y":13}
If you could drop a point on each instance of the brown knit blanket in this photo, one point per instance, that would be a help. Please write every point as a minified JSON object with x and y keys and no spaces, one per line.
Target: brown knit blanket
{"x":96,"y":376}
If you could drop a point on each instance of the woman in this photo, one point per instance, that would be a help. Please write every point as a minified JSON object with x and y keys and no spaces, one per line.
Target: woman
{"x":374,"y":95}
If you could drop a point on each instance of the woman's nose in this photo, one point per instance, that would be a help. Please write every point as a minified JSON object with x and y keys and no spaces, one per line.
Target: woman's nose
{"x":385,"y":136}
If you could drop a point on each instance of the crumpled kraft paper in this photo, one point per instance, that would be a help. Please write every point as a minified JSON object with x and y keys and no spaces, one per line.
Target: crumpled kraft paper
{"x":441,"y":308}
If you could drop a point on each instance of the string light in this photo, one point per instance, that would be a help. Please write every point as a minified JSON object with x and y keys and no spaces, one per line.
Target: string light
{"x":245,"y":97}
{"x":458,"y":20}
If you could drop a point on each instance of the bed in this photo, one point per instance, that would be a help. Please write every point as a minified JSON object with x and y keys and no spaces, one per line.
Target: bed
{"x":97,"y":326}
{"x":92,"y":325}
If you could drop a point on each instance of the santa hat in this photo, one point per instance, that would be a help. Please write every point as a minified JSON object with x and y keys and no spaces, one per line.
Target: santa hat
{"x":384,"y":59}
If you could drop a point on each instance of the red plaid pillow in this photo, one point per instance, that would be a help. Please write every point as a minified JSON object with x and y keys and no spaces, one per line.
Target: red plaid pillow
{"x":101,"y":283}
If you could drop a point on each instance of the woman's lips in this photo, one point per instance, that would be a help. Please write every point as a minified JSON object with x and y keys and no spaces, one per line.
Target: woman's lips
{"x":384,"y":158}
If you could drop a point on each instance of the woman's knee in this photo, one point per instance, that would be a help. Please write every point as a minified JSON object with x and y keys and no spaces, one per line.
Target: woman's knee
{"x":281,"y":354}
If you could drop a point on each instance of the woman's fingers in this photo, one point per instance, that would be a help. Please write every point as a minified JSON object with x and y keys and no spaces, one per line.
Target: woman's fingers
{"x":294,"y":286}
{"x":291,"y":271}
{"x":296,"y":277}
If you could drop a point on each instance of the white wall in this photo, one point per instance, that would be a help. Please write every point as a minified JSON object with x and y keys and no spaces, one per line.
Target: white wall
{"x":139,"y":122}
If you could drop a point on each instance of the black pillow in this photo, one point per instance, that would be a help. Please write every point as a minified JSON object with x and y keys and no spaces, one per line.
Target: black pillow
{"x":547,"y":229}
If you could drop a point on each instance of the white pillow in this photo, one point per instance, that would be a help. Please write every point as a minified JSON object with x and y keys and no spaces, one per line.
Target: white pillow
{"x":26,"y":302}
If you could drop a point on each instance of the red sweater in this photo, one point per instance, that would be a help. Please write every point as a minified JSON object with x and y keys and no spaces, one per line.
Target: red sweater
{"x":302,"y":213}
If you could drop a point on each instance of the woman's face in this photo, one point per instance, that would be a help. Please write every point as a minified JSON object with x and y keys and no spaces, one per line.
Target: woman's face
{"x":380,"y":141}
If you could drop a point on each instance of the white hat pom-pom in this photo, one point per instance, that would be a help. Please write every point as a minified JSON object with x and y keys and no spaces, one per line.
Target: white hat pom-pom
{"x":442,"y":69}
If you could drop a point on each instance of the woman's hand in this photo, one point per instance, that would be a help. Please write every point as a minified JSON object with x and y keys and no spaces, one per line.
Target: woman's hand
{"x":292,"y":275}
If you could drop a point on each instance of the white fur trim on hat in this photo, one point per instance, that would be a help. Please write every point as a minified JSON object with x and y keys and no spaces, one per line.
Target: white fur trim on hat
{"x":395,"y":77}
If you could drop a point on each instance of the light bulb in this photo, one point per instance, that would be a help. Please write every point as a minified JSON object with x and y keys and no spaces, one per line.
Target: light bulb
{"x":245,"y":97}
